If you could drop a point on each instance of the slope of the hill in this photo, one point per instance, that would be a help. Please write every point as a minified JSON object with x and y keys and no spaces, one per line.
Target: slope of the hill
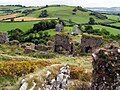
{"x":66,"y":13}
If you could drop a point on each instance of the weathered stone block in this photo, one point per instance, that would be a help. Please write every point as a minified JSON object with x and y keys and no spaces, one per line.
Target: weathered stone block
{"x":63,"y":43}
{"x":3,"y":37}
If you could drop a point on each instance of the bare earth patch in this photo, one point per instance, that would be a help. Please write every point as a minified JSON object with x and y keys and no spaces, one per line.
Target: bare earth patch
{"x":7,"y":16}
{"x":26,"y":18}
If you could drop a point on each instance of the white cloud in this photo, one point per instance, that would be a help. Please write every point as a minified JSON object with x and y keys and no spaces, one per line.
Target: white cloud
{"x":84,"y":3}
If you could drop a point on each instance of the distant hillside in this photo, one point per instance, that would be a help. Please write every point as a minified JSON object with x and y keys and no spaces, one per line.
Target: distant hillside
{"x":67,"y":13}
{"x":112,"y":10}
{"x":64,"y":12}
{"x":28,"y":16}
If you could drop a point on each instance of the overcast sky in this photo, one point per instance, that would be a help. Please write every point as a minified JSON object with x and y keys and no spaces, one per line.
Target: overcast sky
{"x":83,"y":3}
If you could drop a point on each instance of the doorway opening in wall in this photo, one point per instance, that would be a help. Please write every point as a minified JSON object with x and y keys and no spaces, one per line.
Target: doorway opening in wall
{"x":88,"y":49}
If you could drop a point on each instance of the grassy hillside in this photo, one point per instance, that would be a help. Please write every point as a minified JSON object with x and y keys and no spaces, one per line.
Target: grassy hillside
{"x":116,"y":24}
{"x":65,"y":13}
{"x":4,"y":10}
{"x":8,"y":7}
{"x":111,"y":30}
{"x":113,"y":17}
{"x":5,"y":26}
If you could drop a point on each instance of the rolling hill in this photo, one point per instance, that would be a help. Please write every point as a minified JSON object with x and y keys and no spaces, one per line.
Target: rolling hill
{"x":63,"y":12}
{"x":66,"y":13}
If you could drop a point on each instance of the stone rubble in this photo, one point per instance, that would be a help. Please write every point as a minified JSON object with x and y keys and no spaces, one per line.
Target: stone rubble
{"x":24,"y":84}
{"x":60,"y":82}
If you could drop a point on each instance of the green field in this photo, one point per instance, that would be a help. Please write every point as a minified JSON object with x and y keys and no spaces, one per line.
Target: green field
{"x":53,"y":32}
{"x":116,"y":24}
{"x":65,"y":13}
{"x":6,"y":26}
{"x":28,"y":8}
{"x":113,"y":17}
{"x":111,"y":30}
{"x":9,"y":7}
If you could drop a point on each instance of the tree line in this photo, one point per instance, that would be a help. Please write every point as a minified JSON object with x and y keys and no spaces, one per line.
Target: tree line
{"x":101,"y":32}
{"x":35,"y":34}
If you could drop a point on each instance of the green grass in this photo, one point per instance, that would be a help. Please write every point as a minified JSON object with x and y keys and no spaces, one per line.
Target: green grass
{"x":6,"y":26}
{"x":14,"y":8}
{"x":9,"y":7}
{"x":65,"y":12}
{"x":28,"y":8}
{"x":53,"y":32}
{"x":113,"y":17}
{"x":116,"y":24}
{"x":2,"y":13}
{"x":111,"y":30}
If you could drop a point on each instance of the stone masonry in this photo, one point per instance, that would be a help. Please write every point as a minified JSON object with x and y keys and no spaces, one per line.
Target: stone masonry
{"x":90,"y":42}
{"x":3,"y":37}
{"x":106,"y":68}
{"x":63,"y":44}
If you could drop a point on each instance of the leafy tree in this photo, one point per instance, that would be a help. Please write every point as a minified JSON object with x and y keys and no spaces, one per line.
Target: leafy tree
{"x":91,"y":21}
{"x":61,"y":21}
{"x":15,"y":34}
{"x":44,"y":13}
{"x":81,"y":9}
{"x":74,"y":10}
{"x":70,"y":21}
{"x":88,"y":28}
{"x":44,"y":25}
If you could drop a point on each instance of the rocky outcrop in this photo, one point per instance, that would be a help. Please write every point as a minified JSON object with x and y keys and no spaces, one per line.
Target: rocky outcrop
{"x":63,"y":44}
{"x":60,"y":82}
{"x":43,"y":48}
{"x":106,"y":68}
{"x":3,"y":37}
{"x":28,"y":51}
{"x":90,"y":42}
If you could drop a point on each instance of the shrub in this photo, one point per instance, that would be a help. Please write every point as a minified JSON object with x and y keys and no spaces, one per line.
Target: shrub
{"x":79,"y":73}
{"x":19,"y":68}
{"x":91,"y":21}
{"x":15,"y":34}
{"x":44,"y":13}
